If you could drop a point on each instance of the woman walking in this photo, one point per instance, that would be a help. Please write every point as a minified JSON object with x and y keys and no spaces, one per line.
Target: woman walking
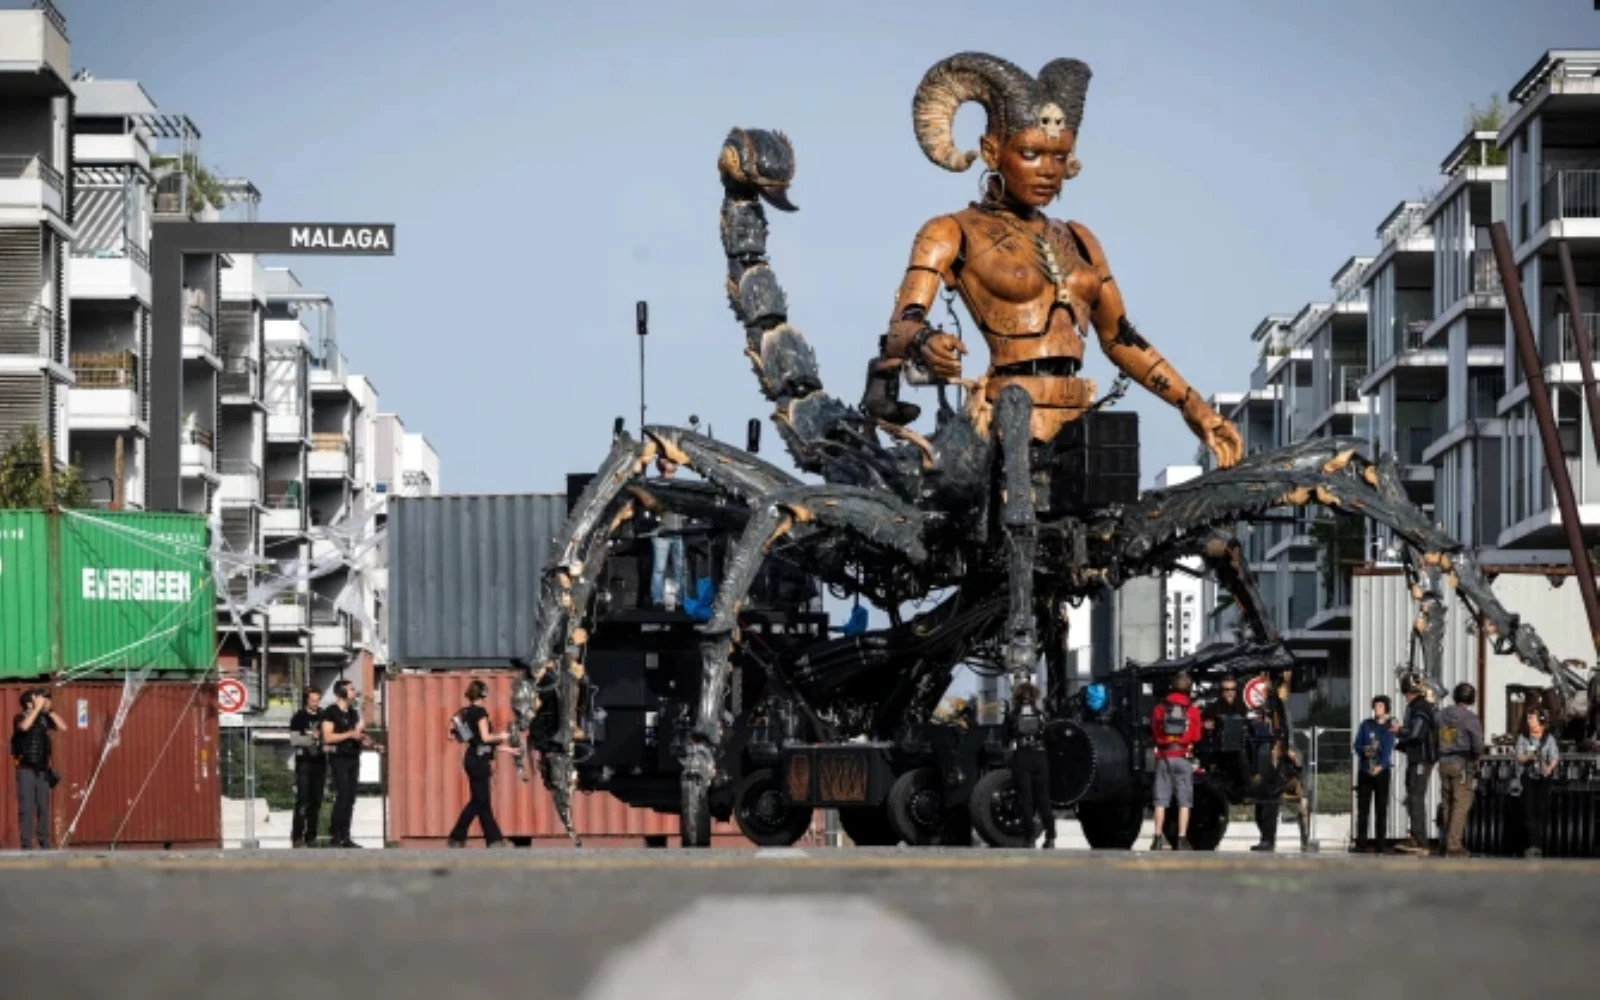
{"x":471,"y":726}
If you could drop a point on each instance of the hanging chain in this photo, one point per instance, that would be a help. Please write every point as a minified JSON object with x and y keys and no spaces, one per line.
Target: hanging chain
{"x":954,"y":321}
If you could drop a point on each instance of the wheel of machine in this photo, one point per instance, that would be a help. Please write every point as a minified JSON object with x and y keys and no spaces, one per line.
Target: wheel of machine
{"x":996,"y":814}
{"x":917,"y":813}
{"x":1208,"y":820}
{"x":759,"y":810}
{"x":1111,"y":826}
{"x":868,"y":827}
{"x":694,"y":815}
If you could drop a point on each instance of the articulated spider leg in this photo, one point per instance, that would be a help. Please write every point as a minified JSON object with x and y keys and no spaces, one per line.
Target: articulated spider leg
{"x":1224,"y":556}
{"x":803,"y":511}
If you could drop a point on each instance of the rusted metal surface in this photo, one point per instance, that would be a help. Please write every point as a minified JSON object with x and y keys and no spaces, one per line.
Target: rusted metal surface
{"x":464,"y":576}
{"x":427,"y":786}
{"x":157,"y":787}
{"x":1539,"y":396}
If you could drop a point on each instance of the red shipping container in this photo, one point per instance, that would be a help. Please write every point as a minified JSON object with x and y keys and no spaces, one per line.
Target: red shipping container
{"x":158,"y":787}
{"x":428,"y":788}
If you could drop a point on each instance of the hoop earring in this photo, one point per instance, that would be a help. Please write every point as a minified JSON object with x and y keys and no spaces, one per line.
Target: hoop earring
{"x":983,"y":183}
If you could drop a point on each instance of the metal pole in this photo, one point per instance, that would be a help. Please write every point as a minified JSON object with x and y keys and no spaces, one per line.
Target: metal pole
{"x":1580,"y":337}
{"x":1539,"y":396}
{"x":642,"y":322}
{"x":249,"y":843}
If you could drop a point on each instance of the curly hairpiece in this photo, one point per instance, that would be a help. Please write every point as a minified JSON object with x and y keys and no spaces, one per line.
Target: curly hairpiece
{"x":1013,"y":99}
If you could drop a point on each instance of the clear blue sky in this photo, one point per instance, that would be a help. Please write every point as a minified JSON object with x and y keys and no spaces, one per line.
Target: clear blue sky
{"x":548,"y":166}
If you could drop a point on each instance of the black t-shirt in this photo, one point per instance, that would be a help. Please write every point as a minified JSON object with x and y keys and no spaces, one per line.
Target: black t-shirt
{"x":344,"y":721}
{"x":307,"y":723}
{"x":471,"y":715}
{"x":1221,"y":709}
{"x":33,"y":742}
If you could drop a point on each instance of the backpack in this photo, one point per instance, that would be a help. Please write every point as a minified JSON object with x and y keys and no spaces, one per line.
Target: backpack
{"x":459,"y":730}
{"x":1028,"y":723}
{"x":1174,"y":719}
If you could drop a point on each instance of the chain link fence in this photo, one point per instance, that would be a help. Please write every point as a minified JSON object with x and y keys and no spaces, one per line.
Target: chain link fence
{"x":1330,"y":781}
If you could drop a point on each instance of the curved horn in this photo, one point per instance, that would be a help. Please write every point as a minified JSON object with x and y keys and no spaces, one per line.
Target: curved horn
{"x":1002,"y":88}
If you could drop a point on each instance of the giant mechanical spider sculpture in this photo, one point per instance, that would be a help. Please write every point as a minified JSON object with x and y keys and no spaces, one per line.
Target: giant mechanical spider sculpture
{"x":971,"y":514}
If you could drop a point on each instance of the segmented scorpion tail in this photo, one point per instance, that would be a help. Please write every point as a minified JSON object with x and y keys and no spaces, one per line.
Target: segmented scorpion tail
{"x":758,"y":165}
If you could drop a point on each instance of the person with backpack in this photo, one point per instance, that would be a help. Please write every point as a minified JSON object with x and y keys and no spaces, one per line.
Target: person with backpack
{"x":471,"y":726}
{"x":1418,"y":739}
{"x":1030,"y":764}
{"x":30,"y":750}
{"x":1175,"y":728}
{"x":1537,"y":752}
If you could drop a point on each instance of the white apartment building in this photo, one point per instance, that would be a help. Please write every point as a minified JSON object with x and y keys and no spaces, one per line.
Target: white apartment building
{"x":36,"y":224}
{"x":1181,"y":592}
{"x":1552,"y":142}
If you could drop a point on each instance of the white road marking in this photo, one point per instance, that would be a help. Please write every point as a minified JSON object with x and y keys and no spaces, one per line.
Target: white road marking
{"x":782,"y":853}
{"x":800,"y":947}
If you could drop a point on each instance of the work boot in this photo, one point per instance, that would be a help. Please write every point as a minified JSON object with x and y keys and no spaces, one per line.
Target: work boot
{"x":455,"y":844}
{"x":1265,"y":847}
{"x":1049,"y":843}
{"x":1184,"y":845}
{"x":1458,"y":852}
{"x":1410,"y":846}
{"x":499,"y":845}
{"x":1159,"y":843}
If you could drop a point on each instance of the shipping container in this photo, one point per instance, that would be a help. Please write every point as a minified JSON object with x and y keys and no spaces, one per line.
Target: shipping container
{"x":464,"y":575}
{"x":1383,"y":614}
{"x":154,"y":786}
{"x":428,"y":787}
{"x":102,"y":592}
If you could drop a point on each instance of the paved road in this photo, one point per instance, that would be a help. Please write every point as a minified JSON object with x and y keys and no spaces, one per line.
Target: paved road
{"x":838,"y":924}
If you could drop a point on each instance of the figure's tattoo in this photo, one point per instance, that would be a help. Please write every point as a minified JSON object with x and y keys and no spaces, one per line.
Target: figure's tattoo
{"x":1127,"y":336}
{"x":1160,"y":384}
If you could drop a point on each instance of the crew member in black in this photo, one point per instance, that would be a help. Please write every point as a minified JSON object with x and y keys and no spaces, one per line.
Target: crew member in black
{"x":30,"y":748}
{"x":344,"y":734}
{"x":1030,"y":765}
{"x":310,"y":769}
{"x":479,"y":764}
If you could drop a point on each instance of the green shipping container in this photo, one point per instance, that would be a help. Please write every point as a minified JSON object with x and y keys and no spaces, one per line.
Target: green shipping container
{"x":86,"y":592}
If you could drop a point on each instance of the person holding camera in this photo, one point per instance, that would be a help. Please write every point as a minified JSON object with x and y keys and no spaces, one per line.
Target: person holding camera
{"x":1375,"y":747}
{"x":471,"y":726}
{"x":30,"y":749}
{"x":1418,"y":739}
{"x":344,"y":735}
{"x":1538,"y":754}
{"x":1030,"y":764}
{"x":310,"y":769}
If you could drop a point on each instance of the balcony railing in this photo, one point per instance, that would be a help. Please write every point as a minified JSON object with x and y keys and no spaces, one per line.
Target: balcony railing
{"x":329,"y":442}
{"x":15,"y":167}
{"x":1569,"y":344}
{"x":201,"y":436}
{"x":1570,"y":194}
{"x":28,"y":330}
{"x":1408,"y":330}
{"x":239,"y":376}
{"x":237,"y":467}
{"x":198,"y":316}
{"x":1350,"y":379}
{"x":284,"y":495}
{"x":106,"y":370}
{"x":1484,"y":394}
{"x":1485,"y":274}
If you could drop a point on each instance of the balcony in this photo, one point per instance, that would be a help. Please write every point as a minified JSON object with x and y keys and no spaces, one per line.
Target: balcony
{"x":288,"y":612}
{"x":1570,"y":194}
{"x":36,"y":39}
{"x":241,"y":482}
{"x":106,"y":395}
{"x":286,"y":423}
{"x":1485,"y":274}
{"x":1349,"y":379}
{"x":1407,"y":331}
{"x":328,"y":374}
{"x":198,"y":450}
{"x":199,"y":332}
{"x":1559,"y":334}
{"x":30,"y":184}
{"x":30,"y":331}
{"x":285,"y":509}
{"x":1483,"y":396}
{"x":330,"y":629}
{"x":240,"y":381}
{"x":330,"y":457}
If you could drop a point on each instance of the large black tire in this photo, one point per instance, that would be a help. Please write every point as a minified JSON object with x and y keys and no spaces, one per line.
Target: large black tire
{"x":694,"y":815}
{"x":759,"y":810}
{"x":996,"y":816}
{"x":1208,"y":820}
{"x":917,"y":812}
{"x":1111,"y":826}
{"x":868,"y":827}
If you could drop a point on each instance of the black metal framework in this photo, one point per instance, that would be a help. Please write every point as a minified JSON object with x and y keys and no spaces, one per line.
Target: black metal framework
{"x":170,"y":242}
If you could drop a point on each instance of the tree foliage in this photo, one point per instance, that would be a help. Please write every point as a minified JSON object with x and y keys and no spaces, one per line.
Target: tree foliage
{"x":204,"y":189}
{"x":1489,"y":119}
{"x":22,"y":484}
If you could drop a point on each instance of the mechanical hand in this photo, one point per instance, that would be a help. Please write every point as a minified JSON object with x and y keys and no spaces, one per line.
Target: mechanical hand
{"x":1214,"y":432}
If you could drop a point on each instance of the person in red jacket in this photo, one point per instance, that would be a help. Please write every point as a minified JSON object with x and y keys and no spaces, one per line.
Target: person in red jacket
{"x":1175,"y":727}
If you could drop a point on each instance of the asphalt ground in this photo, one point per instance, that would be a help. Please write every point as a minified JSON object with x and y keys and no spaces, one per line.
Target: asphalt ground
{"x":839,"y":924}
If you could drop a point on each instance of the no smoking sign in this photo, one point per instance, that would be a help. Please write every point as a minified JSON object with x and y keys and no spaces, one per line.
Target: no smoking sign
{"x":231,"y":695}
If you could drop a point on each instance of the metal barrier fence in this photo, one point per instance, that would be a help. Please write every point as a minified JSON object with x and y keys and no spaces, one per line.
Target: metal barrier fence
{"x":1329,"y":760}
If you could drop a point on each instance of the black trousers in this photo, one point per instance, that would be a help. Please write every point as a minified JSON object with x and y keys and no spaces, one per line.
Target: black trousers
{"x":345,"y":771}
{"x":1372,"y":789}
{"x":478,"y":805}
{"x":310,"y":780}
{"x":1030,"y":772}
{"x":1535,"y":812}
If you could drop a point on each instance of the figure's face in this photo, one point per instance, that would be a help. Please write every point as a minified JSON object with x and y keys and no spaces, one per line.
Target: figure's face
{"x":314,"y":701}
{"x":1230,"y":691}
{"x":1535,"y":727}
{"x":1032,"y":163}
{"x":1379,"y":712}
